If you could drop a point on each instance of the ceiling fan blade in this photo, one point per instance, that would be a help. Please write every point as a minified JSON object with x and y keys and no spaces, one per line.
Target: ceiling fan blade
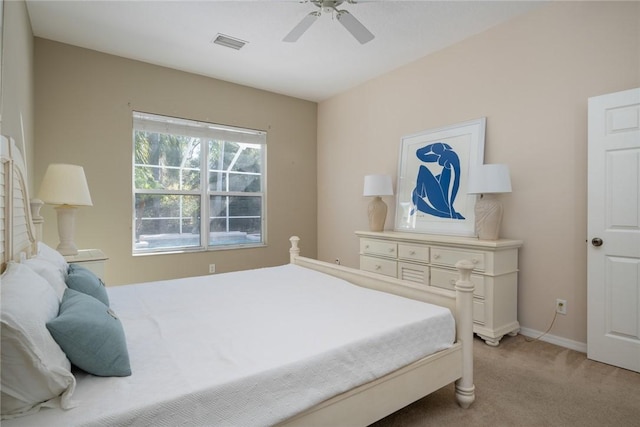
{"x":355,"y":27}
{"x":302,"y":26}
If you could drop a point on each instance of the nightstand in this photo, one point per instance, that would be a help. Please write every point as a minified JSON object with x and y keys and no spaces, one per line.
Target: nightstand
{"x":92,"y":259}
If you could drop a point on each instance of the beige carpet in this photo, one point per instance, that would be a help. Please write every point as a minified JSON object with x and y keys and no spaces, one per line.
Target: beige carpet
{"x":524,"y":383}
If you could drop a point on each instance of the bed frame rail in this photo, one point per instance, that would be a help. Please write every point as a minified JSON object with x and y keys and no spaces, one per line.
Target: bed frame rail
{"x":375,"y":400}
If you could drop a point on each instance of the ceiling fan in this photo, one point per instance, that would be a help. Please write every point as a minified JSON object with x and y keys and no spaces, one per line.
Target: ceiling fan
{"x":347,"y":20}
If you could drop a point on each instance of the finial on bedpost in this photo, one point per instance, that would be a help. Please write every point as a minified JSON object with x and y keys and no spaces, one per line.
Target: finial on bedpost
{"x":465,"y":267}
{"x":465,"y":390}
{"x":294,"y":251}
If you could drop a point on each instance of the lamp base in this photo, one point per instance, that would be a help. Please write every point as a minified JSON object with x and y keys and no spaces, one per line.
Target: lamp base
{"x":66,"y":229}
{"x":488,"y":212}
{"x":377,"y":214}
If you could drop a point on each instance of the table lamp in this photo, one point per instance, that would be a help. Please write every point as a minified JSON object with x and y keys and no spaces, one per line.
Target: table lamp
{"x":66,"y":187}
{"x":377,"y":186}
{"x":489,"y":180}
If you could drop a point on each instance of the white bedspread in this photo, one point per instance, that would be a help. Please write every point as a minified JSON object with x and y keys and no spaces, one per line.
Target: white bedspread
{"x":249,"y":348}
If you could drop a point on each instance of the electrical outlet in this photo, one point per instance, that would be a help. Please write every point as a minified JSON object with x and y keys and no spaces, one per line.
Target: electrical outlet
{"x":561,"y":306}
{"x":212,"y":268}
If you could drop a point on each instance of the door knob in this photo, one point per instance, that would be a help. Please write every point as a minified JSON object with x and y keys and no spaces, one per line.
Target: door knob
{"x":596,"y":241}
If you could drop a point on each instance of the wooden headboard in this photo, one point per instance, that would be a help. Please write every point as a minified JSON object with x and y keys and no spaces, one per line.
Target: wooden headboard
{"x":19,"y":231}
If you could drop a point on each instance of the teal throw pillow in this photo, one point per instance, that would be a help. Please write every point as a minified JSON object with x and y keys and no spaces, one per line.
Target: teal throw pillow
{"x":91,"y":335}
{"x":79,"y":267}
{"x":85,"y":281}
{"x":76,"y":267}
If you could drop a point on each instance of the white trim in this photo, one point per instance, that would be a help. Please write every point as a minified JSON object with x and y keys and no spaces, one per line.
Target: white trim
{"x":554,"y":339}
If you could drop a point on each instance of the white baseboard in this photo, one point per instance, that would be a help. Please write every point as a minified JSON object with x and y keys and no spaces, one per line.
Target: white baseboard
{"x":553,"y":339}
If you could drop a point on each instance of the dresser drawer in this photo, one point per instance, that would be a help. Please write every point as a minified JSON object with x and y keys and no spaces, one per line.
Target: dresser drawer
{"x":416,"y":273}
{"x":446,"y":279}
{"x":478,"y":312}
{"x":413,"y":253}
{"x":450,"y":257}
{"x":379,"y":265}
{"x":378,"y":247}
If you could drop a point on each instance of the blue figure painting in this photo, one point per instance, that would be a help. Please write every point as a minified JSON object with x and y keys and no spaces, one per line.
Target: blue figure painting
{"x":435,"y":194}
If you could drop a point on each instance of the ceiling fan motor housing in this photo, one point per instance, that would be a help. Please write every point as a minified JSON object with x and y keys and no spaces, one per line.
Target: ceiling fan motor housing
{"x":328,"y":6}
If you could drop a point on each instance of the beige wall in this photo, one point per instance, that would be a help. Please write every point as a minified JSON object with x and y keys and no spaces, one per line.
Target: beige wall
{"x":84,"y":101}
{"x":530,"y":78}
{"x":17,"y":78}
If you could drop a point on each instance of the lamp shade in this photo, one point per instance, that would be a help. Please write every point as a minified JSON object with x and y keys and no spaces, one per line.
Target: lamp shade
{"x":377,"y":185}
{"x":490,"y":178}
{"x":65,"y":184}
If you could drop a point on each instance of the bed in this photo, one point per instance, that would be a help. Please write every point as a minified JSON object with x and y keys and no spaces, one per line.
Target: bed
{"x":306,"y":343}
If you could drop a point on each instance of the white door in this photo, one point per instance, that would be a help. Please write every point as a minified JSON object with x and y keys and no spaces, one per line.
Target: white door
{"x":613,"y":257}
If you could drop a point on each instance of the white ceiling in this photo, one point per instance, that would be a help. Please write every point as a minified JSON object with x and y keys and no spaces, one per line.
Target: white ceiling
{"x":325,"y":61}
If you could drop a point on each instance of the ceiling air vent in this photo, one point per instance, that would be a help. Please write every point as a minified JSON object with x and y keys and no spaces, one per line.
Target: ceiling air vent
{"x":228,"y":41}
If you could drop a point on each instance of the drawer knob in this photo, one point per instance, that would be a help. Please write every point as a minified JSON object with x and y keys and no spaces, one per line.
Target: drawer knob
{"x":378,"y":267}
{"x":366,"y":246}
{"x":412,"y":252}
{"x":391,"y":250}
{"x":475,"y":261}
{"x":436,"y":256}
{"x":452,"y":281}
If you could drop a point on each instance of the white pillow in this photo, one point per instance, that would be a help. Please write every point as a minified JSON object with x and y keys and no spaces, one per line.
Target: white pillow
{"x":50,"y":272}
{"x":34,"y":370}
{"x":49,"y":254}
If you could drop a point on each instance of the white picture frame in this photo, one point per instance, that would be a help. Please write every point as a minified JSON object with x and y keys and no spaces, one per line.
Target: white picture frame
{"x":433,"y":172}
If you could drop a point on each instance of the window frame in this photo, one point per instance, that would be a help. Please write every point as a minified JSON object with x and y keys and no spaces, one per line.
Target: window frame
{"x":207,"y":132}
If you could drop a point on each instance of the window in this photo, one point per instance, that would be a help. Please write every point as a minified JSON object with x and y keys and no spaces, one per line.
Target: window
{"x":185,"y":171}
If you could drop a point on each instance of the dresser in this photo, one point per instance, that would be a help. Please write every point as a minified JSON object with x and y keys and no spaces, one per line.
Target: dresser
{"x":430,"y":261}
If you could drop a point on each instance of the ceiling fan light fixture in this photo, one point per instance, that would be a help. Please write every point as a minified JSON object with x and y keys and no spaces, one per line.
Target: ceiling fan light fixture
{"x":228,"y":41}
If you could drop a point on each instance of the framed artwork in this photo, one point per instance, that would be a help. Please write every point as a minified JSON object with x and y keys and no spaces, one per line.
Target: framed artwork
{"x":433,"y":173}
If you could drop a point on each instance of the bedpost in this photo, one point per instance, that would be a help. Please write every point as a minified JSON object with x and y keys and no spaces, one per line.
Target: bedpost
{"x":465,"y":390}
{"x":294,"y":251}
